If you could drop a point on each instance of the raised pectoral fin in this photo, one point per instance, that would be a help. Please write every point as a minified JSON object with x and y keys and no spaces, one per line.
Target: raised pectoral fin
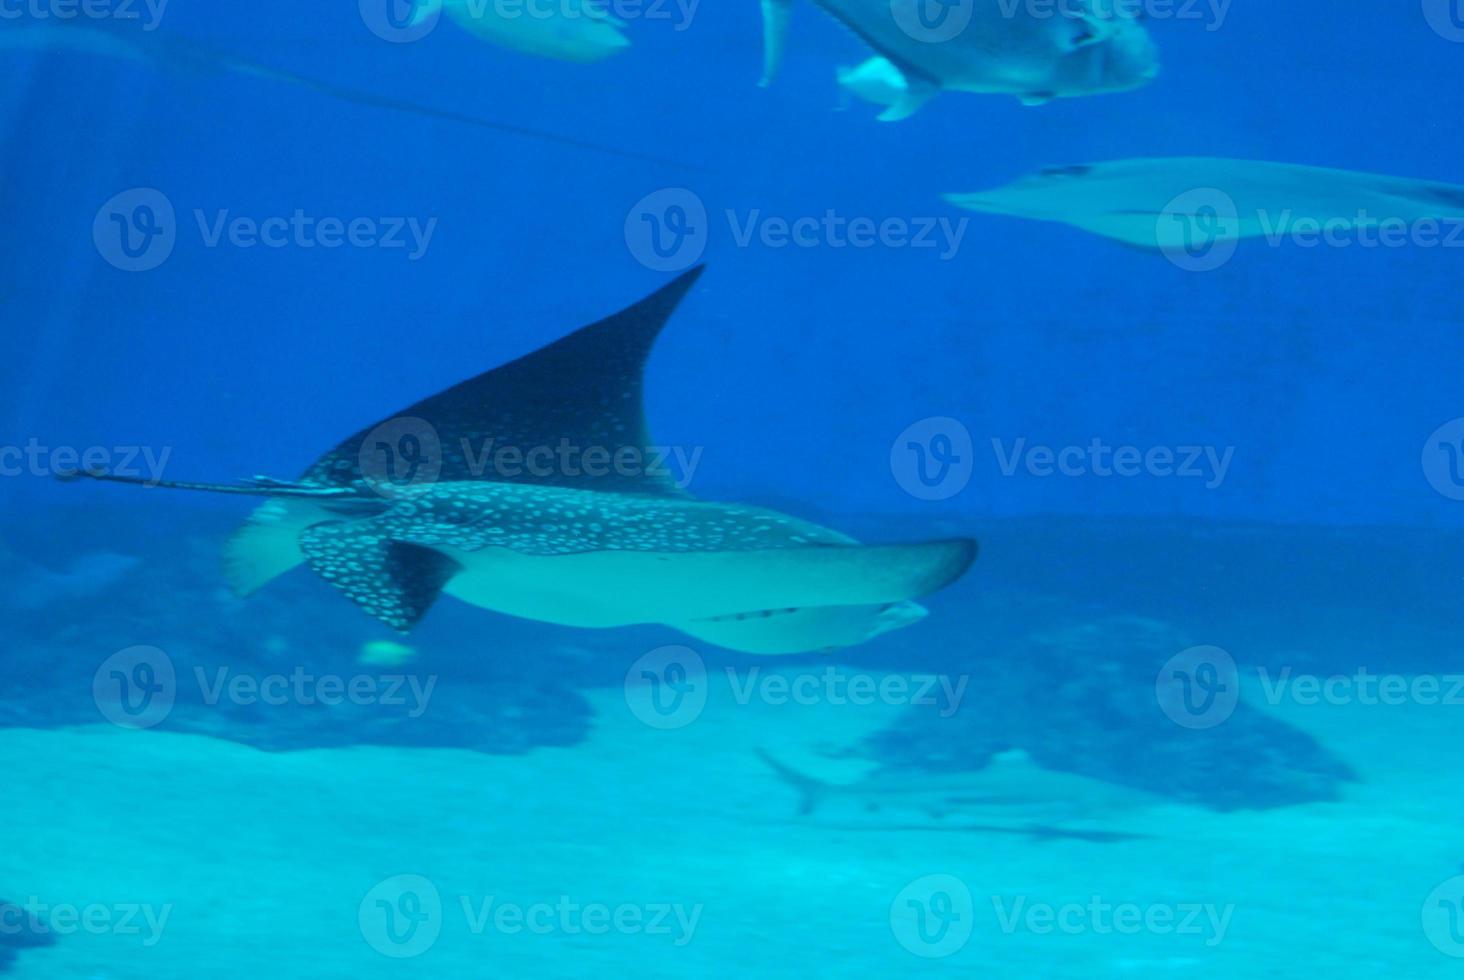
{"x":394,"y":581}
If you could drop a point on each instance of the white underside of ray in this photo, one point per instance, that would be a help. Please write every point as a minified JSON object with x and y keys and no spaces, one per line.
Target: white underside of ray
{"x":602,"y":588}
{"x":773,"y":601}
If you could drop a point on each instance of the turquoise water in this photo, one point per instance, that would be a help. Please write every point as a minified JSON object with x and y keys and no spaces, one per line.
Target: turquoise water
{"x":1189,"y":713}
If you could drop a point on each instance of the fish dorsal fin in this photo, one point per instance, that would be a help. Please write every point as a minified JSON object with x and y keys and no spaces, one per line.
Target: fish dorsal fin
{"x":582,"y":392}
{"x":394,"y":581}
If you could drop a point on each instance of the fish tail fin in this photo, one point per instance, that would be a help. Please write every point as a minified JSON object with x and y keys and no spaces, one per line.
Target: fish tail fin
{"x":811,"y":792}
{"x":917,"y":93}
{"x":776,"y":15}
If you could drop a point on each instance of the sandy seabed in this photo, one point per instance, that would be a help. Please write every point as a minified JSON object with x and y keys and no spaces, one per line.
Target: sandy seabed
{"x":675,"y":853}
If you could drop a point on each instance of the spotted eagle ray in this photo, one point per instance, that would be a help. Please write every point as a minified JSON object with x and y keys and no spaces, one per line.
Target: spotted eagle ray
{"x":1168,"y":203}
{"x":170,"y":53}
{"x":987,"y":47}
{"x":557,"y":544}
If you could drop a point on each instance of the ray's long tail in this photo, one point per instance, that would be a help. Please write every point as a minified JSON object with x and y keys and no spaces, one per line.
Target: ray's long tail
{"x":374,"y":101}
{"x":190,"y":54}
{"x":260,"y":486}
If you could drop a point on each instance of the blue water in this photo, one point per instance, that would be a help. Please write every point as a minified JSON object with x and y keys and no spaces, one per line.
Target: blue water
{"x":1320,"y":375}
